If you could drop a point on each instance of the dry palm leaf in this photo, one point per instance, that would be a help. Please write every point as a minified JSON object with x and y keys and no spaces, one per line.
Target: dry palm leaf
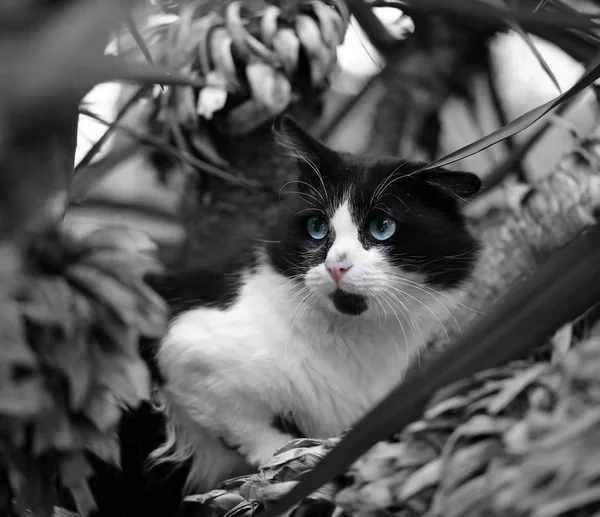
{"x":534,"y":223}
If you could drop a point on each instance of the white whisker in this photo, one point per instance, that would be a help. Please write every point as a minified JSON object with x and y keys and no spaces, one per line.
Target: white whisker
{"x":429,"y":309}
{"x":312,"y":165}
{"x":440,"y":293}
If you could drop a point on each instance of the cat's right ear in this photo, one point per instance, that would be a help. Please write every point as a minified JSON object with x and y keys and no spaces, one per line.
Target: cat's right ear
{"x":297,"y":142}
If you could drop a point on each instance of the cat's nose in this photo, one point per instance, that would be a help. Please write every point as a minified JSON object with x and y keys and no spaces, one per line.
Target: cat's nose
{"x":337,"y":270}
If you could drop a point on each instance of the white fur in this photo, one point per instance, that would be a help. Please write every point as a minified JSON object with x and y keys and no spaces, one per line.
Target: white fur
{"x":283,"y":347}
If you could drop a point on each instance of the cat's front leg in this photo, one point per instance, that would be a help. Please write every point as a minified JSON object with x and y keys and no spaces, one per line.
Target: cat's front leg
{"x":257,"y":441}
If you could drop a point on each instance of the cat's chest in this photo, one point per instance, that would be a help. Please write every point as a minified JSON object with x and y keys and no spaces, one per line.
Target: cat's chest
{"x":334,"y":377}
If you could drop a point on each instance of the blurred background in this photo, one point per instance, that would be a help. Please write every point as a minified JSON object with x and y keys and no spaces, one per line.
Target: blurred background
{"x":132,"y":193}
{"x":156,"y":115}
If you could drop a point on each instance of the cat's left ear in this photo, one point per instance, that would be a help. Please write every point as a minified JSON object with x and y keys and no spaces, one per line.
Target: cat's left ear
{"x":458,"y":184}
{"x":298,"y":142}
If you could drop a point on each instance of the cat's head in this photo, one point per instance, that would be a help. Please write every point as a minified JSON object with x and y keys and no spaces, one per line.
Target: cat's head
{"x":363,"y":234}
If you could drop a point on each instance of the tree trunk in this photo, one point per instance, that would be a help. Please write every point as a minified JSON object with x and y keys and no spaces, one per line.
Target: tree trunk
{"x":528,"y":228}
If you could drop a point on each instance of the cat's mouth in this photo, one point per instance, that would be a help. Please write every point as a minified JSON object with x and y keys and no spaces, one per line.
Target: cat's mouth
{"x":349,"y":303}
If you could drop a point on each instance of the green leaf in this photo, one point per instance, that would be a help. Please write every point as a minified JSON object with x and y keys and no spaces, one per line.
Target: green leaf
{"x":520,"y":123}
{"x":515,"y":325}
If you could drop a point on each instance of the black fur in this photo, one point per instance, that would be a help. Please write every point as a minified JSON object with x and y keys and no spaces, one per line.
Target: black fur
{"x":432,"y":237}
{"x":349,"y":303}
{"x":215,"y":285}
{"x":286,"y":424}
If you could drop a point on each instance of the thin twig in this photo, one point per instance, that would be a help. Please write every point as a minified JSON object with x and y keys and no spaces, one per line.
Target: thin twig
{"x":86,"y":160}
{"x":159,"y":143}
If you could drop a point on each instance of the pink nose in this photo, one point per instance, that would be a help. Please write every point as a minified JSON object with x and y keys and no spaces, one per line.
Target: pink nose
{"x":337,"y":271}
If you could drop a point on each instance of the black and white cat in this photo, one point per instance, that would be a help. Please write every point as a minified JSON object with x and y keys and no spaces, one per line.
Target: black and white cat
{"x":367,"y":258}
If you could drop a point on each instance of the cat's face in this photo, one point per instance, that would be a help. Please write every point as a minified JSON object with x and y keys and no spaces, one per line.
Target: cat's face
{"x":362,"y":235}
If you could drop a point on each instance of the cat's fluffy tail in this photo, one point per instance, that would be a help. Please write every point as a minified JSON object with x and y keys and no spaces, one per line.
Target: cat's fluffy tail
{"x":210,"y":461}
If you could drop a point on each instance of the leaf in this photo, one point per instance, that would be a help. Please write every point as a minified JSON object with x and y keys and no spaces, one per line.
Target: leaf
{"x":127,"y":378}
{"x":118,"y":263}
{"x":466,"y":497}
{"x":517,"y":323}
{"x":53,"y":305}
{"x":152,"y":310}
{"x":122,"y":301}
{"x":49,"y":302}
{"x":23,"y":391}
{"x":62,"y":512}
{"x":53,"y":431}
{"x":102,"y":445}
{"x":520,"y":123}
{"x":502,"y":4}
{"x":14,"y":349}
{"x":213,"y":96}
{"x":201,"y":142}
{"x":426,"y":476}
{"x":469,"y":460}
{"x":129,"y":269}
{"x":102,"y":409}
{"x":31,"y":481}
{"x":135,"y":33}
{"x":120,"y":238}
{"x":562,"y":340}
{"x":25,"y":397}
{"x":113,"y":333}
{"x":515,"y":387}
{"x":74,"y":472}
{"x":529,"y":42}
{"x":568,"y":503}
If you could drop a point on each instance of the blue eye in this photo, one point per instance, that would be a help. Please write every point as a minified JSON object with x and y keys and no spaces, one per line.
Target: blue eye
{"x":382,"y":228}
{"x":317,"y":227}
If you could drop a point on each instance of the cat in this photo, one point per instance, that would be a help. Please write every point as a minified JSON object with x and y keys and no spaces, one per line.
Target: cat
{"x":331,"y":309}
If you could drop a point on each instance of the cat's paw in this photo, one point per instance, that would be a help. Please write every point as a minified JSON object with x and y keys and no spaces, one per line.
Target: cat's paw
{"x":258,"y":453}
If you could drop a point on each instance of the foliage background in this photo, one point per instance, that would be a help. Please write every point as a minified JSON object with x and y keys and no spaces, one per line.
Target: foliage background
{"x":80,"y":319}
